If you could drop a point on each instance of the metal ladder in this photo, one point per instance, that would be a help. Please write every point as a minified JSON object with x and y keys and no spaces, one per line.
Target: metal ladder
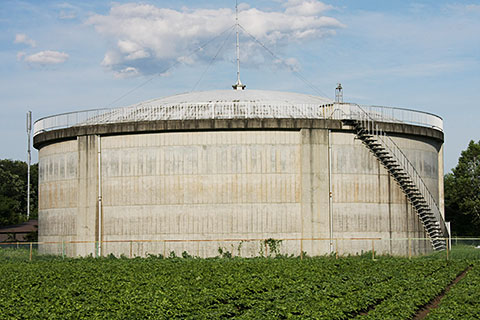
{"x":403,"y":171}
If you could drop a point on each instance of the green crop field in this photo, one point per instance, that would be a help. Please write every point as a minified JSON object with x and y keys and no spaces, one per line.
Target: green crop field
{"x":255,"y":288}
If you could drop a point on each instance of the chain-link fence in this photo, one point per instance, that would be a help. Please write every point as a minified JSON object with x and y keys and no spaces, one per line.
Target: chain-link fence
{"x":457,"y":247}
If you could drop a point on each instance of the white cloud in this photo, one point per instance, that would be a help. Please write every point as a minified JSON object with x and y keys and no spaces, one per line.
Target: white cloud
{"x":126,"y":73}
{"x":23,"y":38}
{"x":67,"y":11}
{"x":132,"y":50}
{"x":150,"y":39}
{"x":306,"y":8}
{"x":47,"y":58}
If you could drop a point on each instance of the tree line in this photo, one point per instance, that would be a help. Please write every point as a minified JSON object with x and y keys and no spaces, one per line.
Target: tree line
{"x":13,"y":192}
{"x":462,"y":192}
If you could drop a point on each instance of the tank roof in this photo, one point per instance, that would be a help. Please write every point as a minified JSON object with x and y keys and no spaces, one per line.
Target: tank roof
{"x":231,"y":96}
{"x":235,"y":105}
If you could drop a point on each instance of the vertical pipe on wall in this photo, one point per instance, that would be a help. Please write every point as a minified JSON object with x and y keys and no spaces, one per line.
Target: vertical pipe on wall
{"x":330,"y":195}
{"x":99,"y":153}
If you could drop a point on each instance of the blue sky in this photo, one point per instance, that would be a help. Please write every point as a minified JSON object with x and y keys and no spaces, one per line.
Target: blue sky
{"x":60,"y":56}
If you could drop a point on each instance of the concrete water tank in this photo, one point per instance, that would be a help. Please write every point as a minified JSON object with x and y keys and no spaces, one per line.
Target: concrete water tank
{"x":240,"y":165}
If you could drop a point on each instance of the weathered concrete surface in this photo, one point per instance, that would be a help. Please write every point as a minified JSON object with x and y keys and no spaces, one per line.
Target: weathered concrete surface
{"x":202,"y":185}
{"x":58,"y":194}
{"x":87,"y":216}
{"x":181,"y":182}
{"x":367,"y":202}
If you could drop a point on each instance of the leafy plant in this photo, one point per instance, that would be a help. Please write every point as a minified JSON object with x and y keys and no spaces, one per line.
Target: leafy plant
{"x":256,"y":288}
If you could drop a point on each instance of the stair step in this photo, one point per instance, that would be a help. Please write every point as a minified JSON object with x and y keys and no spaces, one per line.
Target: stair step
{"x":388,"y":160}
{"x":416,"y":195}
{"x":394,"y":166}
{"x":422,"y":205}
{"x":431,"y":224}
{"x":432,"y":232}
{"x":430,"y":221}
{"x":419,"y":201}
{"x":385,"y":154}
{"x":415,"y":192}
{"x":374,"y":148}
{"x":424,"y":213}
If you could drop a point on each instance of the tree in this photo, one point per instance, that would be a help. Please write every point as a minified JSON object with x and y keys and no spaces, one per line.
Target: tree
{"x":10,"y":198}
{"x":462,"y":193}
{"x":13,"y":191}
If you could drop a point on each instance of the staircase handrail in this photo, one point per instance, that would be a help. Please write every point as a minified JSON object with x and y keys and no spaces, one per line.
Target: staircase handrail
{"x":400,"y":157}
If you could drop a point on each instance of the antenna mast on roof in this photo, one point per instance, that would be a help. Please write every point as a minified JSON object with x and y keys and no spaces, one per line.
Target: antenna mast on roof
{"x":339,"y":93}
{"x":238,"y":85}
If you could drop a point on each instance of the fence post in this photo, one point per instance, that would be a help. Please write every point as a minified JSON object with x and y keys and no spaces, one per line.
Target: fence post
{"x":30,"y":251}
{"x":301,"y":249}
{"x":409,"y":248}
{"x":63,"y":249}
{"x":336,"y":248}
{"x":373,"y":249}
{"x":130,"y":255}
{"x":446,"y":240}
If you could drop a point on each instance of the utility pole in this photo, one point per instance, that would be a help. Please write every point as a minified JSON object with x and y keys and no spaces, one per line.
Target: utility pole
{"x":29,"y":158}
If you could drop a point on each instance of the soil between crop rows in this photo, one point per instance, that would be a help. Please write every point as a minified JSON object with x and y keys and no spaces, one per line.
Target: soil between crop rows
{"x":425,"y":310}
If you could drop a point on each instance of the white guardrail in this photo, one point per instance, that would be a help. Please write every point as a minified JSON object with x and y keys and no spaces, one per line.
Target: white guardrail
{"x":234,"y":110}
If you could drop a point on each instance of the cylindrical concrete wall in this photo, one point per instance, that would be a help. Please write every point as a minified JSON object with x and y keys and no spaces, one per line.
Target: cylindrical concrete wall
{"x":273,"y":180}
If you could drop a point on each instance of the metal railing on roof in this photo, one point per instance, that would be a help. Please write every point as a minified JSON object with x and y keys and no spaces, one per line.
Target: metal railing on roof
{"x":234,"y":110}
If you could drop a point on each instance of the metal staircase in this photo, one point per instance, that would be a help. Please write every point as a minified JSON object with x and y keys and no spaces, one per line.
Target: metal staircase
{"x":403,"y":171}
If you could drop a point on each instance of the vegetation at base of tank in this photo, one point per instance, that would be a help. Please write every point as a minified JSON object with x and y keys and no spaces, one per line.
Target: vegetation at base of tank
{"x":224,"y":253}
{"x":215,"y":288}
